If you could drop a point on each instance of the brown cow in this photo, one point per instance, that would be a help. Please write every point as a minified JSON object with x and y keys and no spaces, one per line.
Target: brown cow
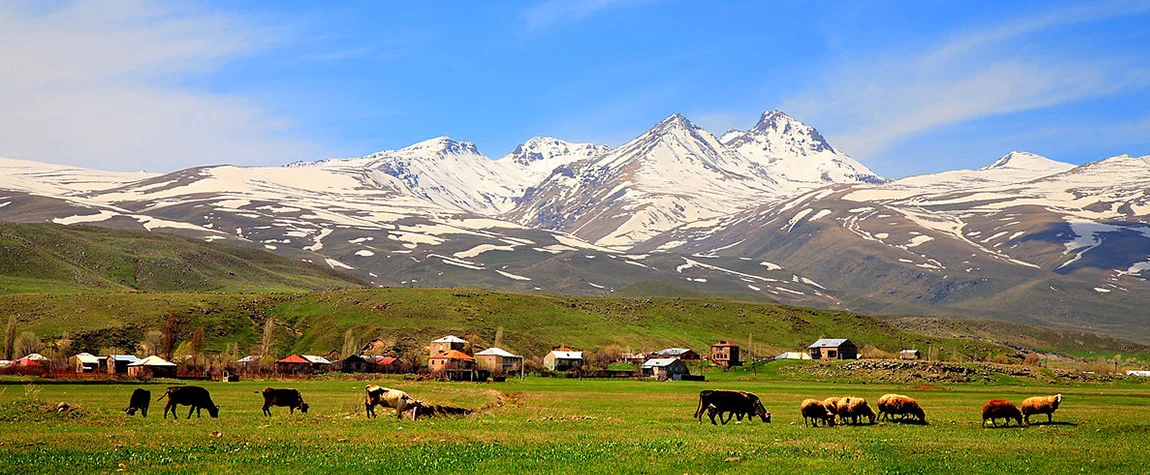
{"x":735,"y":403}
{"x":194,"y":396}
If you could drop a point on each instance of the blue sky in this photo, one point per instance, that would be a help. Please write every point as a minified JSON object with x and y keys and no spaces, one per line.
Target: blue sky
{"x":905,"y":87}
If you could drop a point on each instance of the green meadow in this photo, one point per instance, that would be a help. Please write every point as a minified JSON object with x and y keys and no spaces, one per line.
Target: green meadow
{"x":551,"y":425}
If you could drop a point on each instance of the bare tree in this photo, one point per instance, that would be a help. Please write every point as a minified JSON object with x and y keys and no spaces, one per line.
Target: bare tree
{"x":499,"y":338}
{"x":153,"y":342}
{"x":350,"y":344}
{"x":197,"y":346}
{"x":168,"y":344}
{"x":269,"y":338}
{"x":26,"y":344}
{"x":10,"y":338}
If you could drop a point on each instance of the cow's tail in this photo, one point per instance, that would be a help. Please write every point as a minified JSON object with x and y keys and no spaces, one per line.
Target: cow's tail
{"x":165,"y":393}
{"x":699,"y":410}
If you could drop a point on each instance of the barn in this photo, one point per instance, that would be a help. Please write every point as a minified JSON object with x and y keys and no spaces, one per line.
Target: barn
{"x":118,"y":364}
{"x":152,"y":367}
{"x":909,"y":355}
{"x":833,"y":348}
{"x":665,"y":368}
{"x":85,"y":363}
{"x":293,"y":364}
{"x":563,"y":360}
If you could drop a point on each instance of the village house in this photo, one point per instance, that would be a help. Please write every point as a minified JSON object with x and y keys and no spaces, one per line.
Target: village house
{"x":368,"y":364}
{"x":447,"y":343}
{"x":684,"y":354}
{"x":833,"y":348}
{"x":453,"y":365}
{"x":909,"y":355}
{"x":305,"y":364}
{"x":725,"y":354}
{"x":665,"y":368}
{"x":319,"y":364}
{"x":499,"y":361}
{"x":152,"y":367}
{"x":563,"y":359}
{"x":118,"y":364}
{"x":85,"y":363}
{"x":249,"y":363}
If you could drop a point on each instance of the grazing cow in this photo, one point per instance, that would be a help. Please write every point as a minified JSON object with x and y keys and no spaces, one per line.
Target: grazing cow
{"x":141,"y":399}
{"x":289,"y":398}
{"x":1000,"y":409}
{"x":381,"y":396}
{"x":194,"y":396}
{"x":736,"y":403}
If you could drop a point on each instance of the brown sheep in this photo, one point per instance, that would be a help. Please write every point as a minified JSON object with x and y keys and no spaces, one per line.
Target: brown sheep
{"x":1041,"y":405}
{"x":814,"y":410}
{"x":1000,"y":409}
{"x":832,"y":404}
{"x":854,"y":408}
{"x":890,"y":405}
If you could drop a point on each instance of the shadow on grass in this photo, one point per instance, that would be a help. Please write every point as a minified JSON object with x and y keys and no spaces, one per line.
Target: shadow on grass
{"x":1054,"y":423}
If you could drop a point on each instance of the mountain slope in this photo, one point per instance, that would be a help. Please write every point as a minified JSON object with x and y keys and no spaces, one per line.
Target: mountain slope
{"x":35,"y":257}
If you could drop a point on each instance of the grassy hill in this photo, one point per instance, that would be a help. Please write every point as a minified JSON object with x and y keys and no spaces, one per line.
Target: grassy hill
{"x":55,"y":258}
{"x":409,"y":318}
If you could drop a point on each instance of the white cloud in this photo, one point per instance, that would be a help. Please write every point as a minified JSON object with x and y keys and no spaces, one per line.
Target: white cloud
{"x":549,"y":13}
{"x":108,"y":85}
{"x":869,"y":106}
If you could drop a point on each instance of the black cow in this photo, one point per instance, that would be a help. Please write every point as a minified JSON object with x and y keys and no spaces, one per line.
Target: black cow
{"x":194,"y":396}
{"x":141,"y":399}
{"x":734,"y":403}
{"x":289,"y":398}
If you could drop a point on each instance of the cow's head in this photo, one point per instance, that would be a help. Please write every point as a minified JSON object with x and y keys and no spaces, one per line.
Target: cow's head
{"x":303,"y":407}
{"x":131,"y":411}
{"x":762,"y":412}
{"x":418,"y":409}
{"x":214,"y":411}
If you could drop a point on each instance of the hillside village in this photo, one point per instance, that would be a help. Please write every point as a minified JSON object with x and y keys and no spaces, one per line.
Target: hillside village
{"x":449,"y":358}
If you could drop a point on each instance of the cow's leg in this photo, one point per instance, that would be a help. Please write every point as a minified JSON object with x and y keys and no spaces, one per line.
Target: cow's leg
{"x":190,"y":411}
{"x":171,"y":407}
{"x":267,"y":412}
{"x":144,"y":411}
{"x":728,"y":419}
{"x":712,"y":416}
{"x":1049,"y":417}
{"x":291,"y":409}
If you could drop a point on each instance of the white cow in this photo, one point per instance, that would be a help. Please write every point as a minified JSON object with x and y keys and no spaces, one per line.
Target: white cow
{"x":381,"y":396}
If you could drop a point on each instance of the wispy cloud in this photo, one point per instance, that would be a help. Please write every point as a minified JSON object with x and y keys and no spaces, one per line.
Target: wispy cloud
{"x":869,"y":106}
{"x":550,"y":13}
{"x":108,"y":84}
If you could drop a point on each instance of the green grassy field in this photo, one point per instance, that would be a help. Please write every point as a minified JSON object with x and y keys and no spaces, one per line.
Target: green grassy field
{"x":549,"y":425}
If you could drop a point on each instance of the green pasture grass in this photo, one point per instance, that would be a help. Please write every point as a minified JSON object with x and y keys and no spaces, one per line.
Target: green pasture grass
{"x":552,"y":425}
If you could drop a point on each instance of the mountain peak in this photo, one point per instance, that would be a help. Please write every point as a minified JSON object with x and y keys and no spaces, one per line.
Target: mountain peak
{"x":1018,"y":160}
{"x":550,"y":149}
{"x":442,"y":144}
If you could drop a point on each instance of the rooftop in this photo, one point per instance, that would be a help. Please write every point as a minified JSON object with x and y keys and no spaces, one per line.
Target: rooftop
{"x":497,"y":352}
{"x":828,"y":343}
{"x":449,"y":339}
{"x":567,"y":355}
{"x":659,"y":362}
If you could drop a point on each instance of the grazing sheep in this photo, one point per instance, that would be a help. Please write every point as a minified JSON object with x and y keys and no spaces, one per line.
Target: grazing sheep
{"x":890,"y":405}
{"x":999,"y":409}
{"x":832,"y":404}
{"x":814,"y":410}
{"x":1041,"y":405}
{"x":854,"y":408}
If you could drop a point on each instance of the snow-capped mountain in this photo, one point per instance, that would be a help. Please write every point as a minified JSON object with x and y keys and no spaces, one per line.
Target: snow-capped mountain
{"x":673,"y":174}
{"x":536,"y":158}
{"x":774,"y":211}
{"x":796,"y":153}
